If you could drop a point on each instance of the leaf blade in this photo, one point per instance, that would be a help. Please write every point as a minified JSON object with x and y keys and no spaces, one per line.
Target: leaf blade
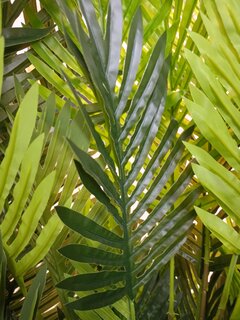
{"x":19,"y":141}
{"x":94,"y":170}
{"x":17,"y":36}
{"x":97,"y":300}
{"x":88,"y":228}
{"x":114,"y":41}
{"x":91,"y":281}
{"x":92,"y":185}
{"x":226,"y":234}
{"x":222,"y":189}
{"x":82,"y":253}
{"x":30,"y":305}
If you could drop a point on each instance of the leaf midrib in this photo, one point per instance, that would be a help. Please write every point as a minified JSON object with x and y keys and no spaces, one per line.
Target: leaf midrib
{"x":125,"y":216}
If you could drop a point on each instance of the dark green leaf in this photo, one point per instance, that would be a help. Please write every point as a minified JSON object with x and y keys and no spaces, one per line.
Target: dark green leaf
{"x":91,"y":167}
{"x":23,"y":36}
{"x":93,"y":131}
{"x":91,"y":184}
{"x":88,"y":228}
{"x":89,"y":254}
{"x":91,"y":281}
{"x":140,"y":173}
{"x":77,"y":54}
{"x":97,"y":300}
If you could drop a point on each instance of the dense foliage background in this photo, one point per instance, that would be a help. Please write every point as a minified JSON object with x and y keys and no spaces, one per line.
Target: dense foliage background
{"x":119,"y":174}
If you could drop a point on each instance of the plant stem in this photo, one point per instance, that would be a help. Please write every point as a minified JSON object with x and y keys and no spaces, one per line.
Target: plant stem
{"x":3,"y":271}
{"x":204,"y":286}
{"x":131,"y":309}
{"x":171,"y":313}
{"x":226,"y":289}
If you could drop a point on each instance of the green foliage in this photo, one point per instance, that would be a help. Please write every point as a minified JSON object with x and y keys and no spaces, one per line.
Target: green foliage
{"x":32,"y":174}
{"x":218,"y":171}
{"x":135,"y":177}
{"x":18,"y":228}
{"x":133,"y":236}
{"x":19,"y":38}
{"x":30,"y":305}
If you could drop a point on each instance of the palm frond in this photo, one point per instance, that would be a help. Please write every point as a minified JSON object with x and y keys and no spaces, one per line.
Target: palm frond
{"x":134,"y":183}
{"x":218,"y":171}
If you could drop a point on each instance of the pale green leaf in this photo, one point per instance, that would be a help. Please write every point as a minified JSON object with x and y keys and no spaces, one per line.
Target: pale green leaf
{"x":222,"y":188}
{"x":23,"y":188}
{"x":215,"y":130}
{"x":20,"y":137}
{"x":44,"y":242}
{"x":221,"y":230}
{"x":31,"y":216}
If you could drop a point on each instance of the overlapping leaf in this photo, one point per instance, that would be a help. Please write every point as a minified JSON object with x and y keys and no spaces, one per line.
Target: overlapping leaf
{"x":14,"y":214}
{"x":216,"y":102}
{"x":215,"y":110}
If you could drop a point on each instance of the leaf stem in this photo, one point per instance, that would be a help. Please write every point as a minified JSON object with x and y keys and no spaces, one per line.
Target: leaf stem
{"x":171,"y":313}
{"x":226,"y":289}
{"x":204,"y":285}
{"x":3,"y":270}
{"x":131,"y":309}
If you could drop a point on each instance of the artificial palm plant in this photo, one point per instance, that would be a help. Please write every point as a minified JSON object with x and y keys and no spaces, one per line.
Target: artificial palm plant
{"x":135,"y":247}
{"x":137,"y":180}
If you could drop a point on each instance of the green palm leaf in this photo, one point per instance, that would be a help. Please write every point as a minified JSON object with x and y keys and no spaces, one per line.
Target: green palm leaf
{"x":134,"y":179}
{"x":20,"y":217}
{"x":30,"y":305}
{"x":218,"y":170}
